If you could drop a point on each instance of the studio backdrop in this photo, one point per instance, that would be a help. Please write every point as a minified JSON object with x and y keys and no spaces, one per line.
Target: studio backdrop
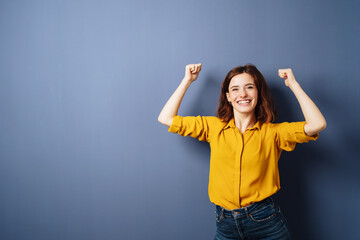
{"x":82,"y":155}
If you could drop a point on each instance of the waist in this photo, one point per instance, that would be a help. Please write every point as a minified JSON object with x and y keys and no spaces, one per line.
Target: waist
{"x":244,"y":210}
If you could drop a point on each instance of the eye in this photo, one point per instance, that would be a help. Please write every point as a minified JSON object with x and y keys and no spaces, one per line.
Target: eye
{"x":250,"y":87}
{"x":234,"y":89}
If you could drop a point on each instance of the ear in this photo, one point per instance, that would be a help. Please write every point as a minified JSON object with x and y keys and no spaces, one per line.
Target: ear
{"x":228,"y":96}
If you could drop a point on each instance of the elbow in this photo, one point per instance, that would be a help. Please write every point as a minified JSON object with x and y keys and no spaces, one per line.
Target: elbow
{"x":322,"y":125}
{"x":164,"y":121}
{"x":312,"y":129}
{"x":160,"y":119}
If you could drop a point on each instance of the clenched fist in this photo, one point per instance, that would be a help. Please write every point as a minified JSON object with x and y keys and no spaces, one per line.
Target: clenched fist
{"x":192,"y":72}
{"x":288,"y":75}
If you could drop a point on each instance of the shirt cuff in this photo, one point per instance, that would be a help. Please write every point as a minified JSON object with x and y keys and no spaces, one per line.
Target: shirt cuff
{"x":175,"y":125}
{"x":301,"y":135}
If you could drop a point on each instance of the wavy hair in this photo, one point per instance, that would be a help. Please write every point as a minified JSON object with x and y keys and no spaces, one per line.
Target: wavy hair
{"x":264,"y":110}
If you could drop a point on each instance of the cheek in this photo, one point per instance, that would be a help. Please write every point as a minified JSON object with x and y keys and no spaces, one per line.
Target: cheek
{"x":256,"y":97}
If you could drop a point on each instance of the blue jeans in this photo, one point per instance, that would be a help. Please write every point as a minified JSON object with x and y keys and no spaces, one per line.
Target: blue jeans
{"x":261,"y":220}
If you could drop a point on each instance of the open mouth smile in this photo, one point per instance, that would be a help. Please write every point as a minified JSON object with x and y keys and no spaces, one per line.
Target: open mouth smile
{"x":243,"y":102}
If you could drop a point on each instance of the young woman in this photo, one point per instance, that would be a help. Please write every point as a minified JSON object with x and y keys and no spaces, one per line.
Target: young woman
{"x":245,"y":148}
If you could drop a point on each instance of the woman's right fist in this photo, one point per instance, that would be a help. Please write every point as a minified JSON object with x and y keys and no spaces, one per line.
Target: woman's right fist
{"x":192,"y":71}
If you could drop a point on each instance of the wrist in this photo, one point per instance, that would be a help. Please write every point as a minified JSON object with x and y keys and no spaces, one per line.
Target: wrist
{"x":294,"y":85}
{"x":186,"y":81}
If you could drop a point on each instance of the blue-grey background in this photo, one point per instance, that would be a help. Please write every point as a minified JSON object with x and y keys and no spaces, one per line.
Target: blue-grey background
{"x":82,"y":155}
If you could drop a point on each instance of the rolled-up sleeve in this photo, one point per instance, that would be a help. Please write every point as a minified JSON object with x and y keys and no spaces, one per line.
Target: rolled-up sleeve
{"x":288,"y":134}
{"x":196,"y":127}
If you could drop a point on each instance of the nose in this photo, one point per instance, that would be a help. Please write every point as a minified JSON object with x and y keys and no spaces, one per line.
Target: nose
{"x":242,"y":93}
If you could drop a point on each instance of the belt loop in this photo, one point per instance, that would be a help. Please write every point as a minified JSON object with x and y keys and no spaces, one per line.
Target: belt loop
{"x":222,"y":212}
{"x":246,"y":211}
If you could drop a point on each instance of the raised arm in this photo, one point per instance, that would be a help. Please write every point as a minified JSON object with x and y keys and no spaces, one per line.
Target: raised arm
{"x":315,"y":121}
{"x":171,"y":107}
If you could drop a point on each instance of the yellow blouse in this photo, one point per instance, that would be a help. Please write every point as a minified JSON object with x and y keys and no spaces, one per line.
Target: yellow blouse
{"x":243,"y":167}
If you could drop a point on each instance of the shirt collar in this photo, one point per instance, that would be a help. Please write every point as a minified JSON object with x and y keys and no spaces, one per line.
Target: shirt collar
{"x":231,"y":124}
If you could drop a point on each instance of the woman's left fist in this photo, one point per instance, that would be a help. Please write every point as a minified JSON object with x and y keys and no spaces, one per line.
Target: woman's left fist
{"x":288,"y":75}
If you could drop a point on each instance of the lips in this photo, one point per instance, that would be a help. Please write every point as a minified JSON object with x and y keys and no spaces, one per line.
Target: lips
{"x":244,"y":102}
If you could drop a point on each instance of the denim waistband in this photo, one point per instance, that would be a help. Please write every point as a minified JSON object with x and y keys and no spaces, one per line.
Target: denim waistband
{"x":249,"y":208}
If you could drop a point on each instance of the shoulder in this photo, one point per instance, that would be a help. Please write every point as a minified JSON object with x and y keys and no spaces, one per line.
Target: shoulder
{"x":213,"y":119}
{"x":209,"y":120}
{"x":271,"y":125}
{"x":285,"y":127}
{"x":268,"y":126}
{"x":274,"y":128}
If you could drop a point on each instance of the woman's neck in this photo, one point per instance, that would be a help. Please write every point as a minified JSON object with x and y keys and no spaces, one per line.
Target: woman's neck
{"x":244,"y":121}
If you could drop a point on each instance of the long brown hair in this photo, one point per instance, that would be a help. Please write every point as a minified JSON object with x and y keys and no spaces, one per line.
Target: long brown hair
{"x":264,"y":110}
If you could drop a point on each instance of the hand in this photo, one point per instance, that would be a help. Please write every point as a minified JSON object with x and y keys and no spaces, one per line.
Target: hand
{"x":192,"y":72}
{"x":288,"y":75}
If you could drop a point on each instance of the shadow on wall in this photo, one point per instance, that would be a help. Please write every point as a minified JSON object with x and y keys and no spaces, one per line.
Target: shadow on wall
{"x":293,"y":198}
{"x":325,"y":159}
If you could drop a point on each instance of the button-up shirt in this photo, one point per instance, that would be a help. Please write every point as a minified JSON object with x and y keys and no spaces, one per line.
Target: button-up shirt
{"x":243,"y":167}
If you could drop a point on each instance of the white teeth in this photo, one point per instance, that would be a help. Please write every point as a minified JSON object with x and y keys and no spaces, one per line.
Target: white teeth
{"x":245,"y":101}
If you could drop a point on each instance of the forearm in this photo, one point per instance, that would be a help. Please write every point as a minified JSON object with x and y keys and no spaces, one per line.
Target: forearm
{"x":315,"y":121}
{"x":171,"y":107}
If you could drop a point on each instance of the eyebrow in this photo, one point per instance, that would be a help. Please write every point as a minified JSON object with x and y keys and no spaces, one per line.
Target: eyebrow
{"x":245,"y":85}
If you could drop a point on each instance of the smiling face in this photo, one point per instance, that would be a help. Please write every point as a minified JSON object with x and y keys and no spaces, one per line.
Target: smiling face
{"x":242,"y":94}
